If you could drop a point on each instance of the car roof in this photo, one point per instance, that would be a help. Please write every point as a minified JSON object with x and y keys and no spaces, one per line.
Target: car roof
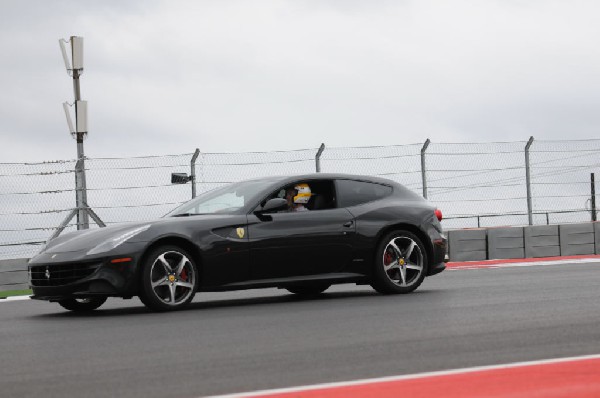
{"x":323,"y":176}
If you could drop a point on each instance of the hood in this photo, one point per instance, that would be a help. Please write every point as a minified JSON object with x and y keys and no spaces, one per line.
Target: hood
{"x":86,"y":239}
{"x":90,"y":238}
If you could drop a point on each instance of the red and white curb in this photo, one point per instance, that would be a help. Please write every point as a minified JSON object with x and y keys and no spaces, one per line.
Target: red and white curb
{"x":522,"y":262}
{"x":574,"y":377}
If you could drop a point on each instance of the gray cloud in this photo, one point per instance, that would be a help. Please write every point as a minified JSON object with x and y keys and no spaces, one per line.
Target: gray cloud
{"x":166,"y":77}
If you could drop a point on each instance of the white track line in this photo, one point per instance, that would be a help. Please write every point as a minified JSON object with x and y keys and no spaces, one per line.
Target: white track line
{"x":14,"y":298}
{"x":406,"y":377}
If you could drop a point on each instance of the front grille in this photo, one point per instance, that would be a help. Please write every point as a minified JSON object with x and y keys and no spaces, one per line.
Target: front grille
{"x":59,"y":274}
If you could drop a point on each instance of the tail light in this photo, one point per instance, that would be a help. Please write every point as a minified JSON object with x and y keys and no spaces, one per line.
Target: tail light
{"x":438,"y":214}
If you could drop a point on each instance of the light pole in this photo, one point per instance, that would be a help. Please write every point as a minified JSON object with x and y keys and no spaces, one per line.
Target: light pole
{"x":79,"y":132}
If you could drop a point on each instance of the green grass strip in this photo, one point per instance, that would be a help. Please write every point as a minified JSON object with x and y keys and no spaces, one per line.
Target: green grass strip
{"x":9,"y":293}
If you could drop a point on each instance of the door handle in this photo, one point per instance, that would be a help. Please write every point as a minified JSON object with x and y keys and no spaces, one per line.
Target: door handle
{"x":349,"y":224}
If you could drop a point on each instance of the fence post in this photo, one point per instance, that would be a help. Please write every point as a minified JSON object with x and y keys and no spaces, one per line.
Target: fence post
{"x":593,"y":197}
{"x":318,"y":157}
{"x":193,"y":172}
{"x":423,"y":169}
{"x":528,"y":181}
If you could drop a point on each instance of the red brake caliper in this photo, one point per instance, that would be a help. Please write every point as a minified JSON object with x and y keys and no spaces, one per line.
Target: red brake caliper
{"x":183,"y":275}
{"x":387,"y":258}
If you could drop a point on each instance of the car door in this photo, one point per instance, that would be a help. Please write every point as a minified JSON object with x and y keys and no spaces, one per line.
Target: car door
{"x":293,"y":244}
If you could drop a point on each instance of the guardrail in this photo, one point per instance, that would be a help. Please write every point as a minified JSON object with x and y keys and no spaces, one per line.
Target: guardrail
{"x":524,"y":242}
{"x":13,"y":274}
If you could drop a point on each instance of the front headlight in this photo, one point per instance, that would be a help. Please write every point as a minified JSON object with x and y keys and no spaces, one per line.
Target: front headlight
{"x":117,"y":240}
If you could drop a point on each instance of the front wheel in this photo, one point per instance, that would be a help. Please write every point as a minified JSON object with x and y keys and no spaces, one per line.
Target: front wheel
{"x":400,"y":263}
{"x":82,"y":304}
{"x":169,"y":279}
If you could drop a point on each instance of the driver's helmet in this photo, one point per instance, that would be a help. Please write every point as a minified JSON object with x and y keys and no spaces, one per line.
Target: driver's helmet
{"x":303,"y":195}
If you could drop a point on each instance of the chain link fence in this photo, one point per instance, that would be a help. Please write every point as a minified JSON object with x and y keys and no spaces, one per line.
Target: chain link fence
{"x":475,"y":184}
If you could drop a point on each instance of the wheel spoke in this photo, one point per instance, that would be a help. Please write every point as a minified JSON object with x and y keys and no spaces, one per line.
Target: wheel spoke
{"x":396,"y":249}
{"x":409,"y":250}
{"x":184,"y":284}
{"x":172,"y":288}
{"x":160,"y":282}
{"x":393,"y":265}
{"x":180,"y":266}
{"x":415,"y":267}
{"x":165,"y":264}
{"x":403,"y":275}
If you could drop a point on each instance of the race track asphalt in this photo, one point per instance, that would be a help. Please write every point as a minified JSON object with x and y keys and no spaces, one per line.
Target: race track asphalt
{"x":254,"y":340}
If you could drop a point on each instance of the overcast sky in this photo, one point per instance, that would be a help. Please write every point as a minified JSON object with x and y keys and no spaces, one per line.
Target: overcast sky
{"x":165,"y":77}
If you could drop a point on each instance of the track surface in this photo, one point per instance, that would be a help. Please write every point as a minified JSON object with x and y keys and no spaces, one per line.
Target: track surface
{"x":255,"y":340}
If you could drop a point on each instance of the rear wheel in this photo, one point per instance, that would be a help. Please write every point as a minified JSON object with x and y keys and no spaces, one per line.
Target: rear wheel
{"x":400,"y":263}
{"x":82,"y":304}
{"x":308,"y":289}
{"x":169,"y":279}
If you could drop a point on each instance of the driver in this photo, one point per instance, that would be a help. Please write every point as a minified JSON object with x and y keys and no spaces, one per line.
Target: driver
{"x":298,"y":196}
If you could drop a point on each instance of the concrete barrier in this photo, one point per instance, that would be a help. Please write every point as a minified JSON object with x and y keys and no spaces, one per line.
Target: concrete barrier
{"x":577,"y":239}
{"x":597,"y":234}
{"x":541,"y":241}
{"x":467,"y":245}
{"x":13,"y":274}
{"x":505,"y":243}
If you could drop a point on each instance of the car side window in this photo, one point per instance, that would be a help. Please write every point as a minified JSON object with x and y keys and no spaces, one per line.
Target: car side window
{"x":352,"y":193}
{"x":322,"y":194}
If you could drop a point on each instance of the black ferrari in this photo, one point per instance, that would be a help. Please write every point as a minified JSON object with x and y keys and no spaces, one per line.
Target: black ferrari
{"x":246,"y":235}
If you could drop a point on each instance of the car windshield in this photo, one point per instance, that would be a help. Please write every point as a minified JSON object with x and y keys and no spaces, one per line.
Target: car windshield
{"x":224,"y":200}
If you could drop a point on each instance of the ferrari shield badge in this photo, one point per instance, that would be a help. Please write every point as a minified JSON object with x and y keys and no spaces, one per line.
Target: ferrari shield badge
{"x":240,"y":232}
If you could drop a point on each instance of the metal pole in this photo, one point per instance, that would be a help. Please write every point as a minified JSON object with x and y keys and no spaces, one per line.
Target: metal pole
{"x":83,"y":221}
{"x":318,"y":157}
{"x":593,"y":198}
{"x":528,"y":181}
{"x":423,"y":169}
{"x":193,"y":172}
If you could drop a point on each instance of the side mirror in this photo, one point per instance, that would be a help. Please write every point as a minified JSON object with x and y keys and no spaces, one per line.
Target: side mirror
{"x":180,"y":178}
{"x":272,"y":206}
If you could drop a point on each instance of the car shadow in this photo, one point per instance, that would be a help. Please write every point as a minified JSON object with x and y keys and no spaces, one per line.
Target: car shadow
{"x":284,"y":298}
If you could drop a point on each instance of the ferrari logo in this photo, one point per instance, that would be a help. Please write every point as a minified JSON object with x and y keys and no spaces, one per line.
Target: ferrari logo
{"x":240,"y":232}
{"x":401,"y":262}
{"x":171,"y":278}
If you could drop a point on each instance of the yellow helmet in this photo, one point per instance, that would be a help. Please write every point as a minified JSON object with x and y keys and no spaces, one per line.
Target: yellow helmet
{"x":303,"y":195}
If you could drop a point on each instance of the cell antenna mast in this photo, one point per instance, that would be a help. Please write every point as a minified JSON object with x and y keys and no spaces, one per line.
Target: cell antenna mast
{"x":79,"y":130}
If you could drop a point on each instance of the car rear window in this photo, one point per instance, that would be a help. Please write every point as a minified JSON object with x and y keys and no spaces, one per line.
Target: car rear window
{"x":352,"y":193}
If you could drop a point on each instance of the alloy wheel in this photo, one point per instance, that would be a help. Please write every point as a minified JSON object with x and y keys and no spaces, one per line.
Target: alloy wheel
{"x":173,"y":277}
{"x":403,"y":261}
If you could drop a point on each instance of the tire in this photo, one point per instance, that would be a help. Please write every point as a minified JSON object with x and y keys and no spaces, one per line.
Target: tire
{"x":82,"y":304}
{"x":169,"y":279}
{"x":308,"y":289}
{"x":400,"y":263}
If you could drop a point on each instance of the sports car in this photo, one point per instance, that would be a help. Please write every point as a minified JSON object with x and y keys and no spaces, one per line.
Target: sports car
{"x":246,"y":235}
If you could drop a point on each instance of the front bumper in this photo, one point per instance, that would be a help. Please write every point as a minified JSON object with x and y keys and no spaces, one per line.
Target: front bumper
{"x":70,"y":279}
